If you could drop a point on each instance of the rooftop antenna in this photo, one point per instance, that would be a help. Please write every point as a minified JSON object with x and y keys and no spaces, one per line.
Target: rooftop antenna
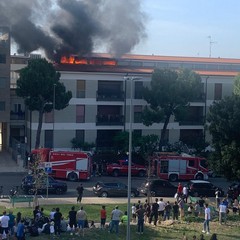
{"x":210,"y":45}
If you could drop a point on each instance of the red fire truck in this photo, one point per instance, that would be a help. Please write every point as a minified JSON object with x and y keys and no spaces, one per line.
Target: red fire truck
{"x":179,"y":167}
{"x":69,"y":165}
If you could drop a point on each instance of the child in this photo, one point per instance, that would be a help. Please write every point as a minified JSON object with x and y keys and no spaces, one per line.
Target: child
{"x":190,"y":208}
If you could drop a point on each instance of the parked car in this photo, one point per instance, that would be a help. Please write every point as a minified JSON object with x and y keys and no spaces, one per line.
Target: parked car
{"x":203,"y":188}
{"x":234,"y":190}
{"x":28,"y":185}
{"x":158,"y":187}
{"x":113,"y":189}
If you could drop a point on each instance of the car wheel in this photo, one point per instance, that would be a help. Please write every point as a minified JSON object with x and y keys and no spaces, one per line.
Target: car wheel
{"x":133,"y":194}
{"x":153,"y":194}
{"x":104,"y":194}
{"x":72,"y":177}
{"x":59,"y":191}
{"x":31,"y":191}
{"x":141,"y":174}
{"x":173,"y":177}
{"x":115,"y":173}
{"x":199,"y":177}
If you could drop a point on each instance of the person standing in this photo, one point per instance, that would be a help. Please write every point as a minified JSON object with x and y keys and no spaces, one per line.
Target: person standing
{"x":222,"y":213}
{"x":80,"y":193}
{"x":140,"y":214}
{"x":201,"y":203}
{"x":185,"y":194}
{"x":11,"y":222}
{"x":4,"y":219}
{"x":217,"y":196}
{"x":207,"y":217}
{"x":115,"y":217}
{"x":175,"y":211}
{"x":154,"y":212}
{"x":81,"y":219}
{"x":57,"y":221}
{"x":179,"y":190}
{"x":103,"y":214}
{"x":134,"y":216}
{"x":181,"y":208}
{"x":167,"y":211}
{"x":72,"y":215}
{"x":161,"y":208}
{"x":20,"y":230}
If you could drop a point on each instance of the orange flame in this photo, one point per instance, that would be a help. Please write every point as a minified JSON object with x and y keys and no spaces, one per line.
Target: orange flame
{"x":84,"y":61}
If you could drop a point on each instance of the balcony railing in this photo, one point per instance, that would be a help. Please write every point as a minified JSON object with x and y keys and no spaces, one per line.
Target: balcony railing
{"x":17,"y":115}
{"x":110,"y":119}
{"x":109,"y":96}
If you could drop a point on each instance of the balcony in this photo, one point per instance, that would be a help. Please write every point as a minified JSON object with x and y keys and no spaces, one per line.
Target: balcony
{"x":109,"y":120}
{"x":17,"y":115}
{"x":110,"y":96}
{"x":192,"y":122}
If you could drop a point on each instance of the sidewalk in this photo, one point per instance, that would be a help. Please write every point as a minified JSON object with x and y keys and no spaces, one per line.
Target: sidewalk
{"x":7,"y":164}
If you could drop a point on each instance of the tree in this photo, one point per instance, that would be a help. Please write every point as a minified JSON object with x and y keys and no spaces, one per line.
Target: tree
{"x":36,"y":85}
{"x":170,"y":91}
{"x":224,"y":122}
{"x":83,"y":146}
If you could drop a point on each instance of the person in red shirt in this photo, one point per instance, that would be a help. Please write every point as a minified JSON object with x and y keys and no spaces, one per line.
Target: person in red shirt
{"x":180,"y":190}
{"x":103,"y":214}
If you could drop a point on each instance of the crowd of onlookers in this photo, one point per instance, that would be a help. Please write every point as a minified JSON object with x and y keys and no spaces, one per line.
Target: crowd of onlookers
{"x":153,"y":213}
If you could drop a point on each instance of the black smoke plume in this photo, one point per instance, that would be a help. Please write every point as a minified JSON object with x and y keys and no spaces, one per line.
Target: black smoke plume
{"x":74,"y":27}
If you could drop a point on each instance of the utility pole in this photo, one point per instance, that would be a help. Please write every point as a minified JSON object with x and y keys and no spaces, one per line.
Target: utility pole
{"x":210,"y":45}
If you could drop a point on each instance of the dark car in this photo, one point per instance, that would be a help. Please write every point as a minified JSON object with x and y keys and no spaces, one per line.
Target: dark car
{"x":113,"y":189}
{"x":30,"y":185}
{"x":203,"y":188}
{"x":158,"y":187}
{"x":234,"y":190}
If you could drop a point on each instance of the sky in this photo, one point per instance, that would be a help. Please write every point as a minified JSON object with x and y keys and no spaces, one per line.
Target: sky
{"x":183,"y":27}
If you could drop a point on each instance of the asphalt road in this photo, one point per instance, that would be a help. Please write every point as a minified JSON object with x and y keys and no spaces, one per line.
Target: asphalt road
{"x":9,"y":180}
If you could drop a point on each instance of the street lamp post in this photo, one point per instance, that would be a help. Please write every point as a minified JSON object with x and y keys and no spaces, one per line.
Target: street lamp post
{"x":54,"y":103}
{"x":128,"y":237}
{"x":205,"y":107}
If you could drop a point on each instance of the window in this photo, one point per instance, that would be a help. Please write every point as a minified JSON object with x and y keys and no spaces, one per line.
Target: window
{"x":2,"y":58}
{"x":80,"y":89}
{"x":138,"y":90}
{"x":80,"y":135}
{"x":2,"y":106}
{"x":80,"y":113}
{"x":164,"y":167}
{"x":3,"y":82}
{"x":191,"y":163}
{"x":49,"y":117}
{"x":218,"y":91}
{"x":137,"y":114}
{"x":48,"y":139}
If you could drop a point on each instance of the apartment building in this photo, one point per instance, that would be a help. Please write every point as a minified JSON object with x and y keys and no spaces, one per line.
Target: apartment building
{"x":4,"y":87}
{"x":101,"y":102}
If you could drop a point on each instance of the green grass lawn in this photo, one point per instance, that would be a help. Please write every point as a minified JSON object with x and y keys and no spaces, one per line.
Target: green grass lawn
{"x":166,"y":230}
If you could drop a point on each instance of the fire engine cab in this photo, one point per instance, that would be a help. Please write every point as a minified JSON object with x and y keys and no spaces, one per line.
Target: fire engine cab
{"x":179,"y":167}
{"x":69,"y":165}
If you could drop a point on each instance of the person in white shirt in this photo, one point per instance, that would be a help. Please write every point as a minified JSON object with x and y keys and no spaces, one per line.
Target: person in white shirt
{"x":4,"y":219}
{"x":161,"y":208}
{"x":207,"y":217}
{"x":134,"y":213}
{"x":222,"y":213}
{"x":185,"y":194}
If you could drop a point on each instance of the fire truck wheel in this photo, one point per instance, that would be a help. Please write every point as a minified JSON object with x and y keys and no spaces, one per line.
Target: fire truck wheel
{"x":199,"y":177}
{"x":141,"y":174}
{"x":104,"y":194}
{"x":72,"y":177}
{"x":173,"y":177}
{"x":115,"y":173}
